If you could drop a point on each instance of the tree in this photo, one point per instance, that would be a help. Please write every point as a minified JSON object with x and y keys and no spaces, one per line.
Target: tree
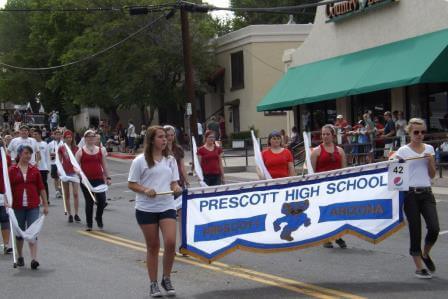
{"x":243,"y":19}
{"x":146,"y":70}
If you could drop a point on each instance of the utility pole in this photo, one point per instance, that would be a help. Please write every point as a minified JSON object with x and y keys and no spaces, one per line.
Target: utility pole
{"x":189,"y":76}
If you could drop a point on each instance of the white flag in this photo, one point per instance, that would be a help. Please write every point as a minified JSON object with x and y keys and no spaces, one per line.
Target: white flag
{"x":197,"y":166}
{"x":258,"y":158}
{"x":307,"y":144}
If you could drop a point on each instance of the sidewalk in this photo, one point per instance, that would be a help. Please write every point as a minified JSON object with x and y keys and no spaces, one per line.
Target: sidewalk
{"x":235,"y":167}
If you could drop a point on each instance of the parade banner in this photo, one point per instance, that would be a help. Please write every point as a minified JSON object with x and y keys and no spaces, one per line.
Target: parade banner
{"x":290,"y":213}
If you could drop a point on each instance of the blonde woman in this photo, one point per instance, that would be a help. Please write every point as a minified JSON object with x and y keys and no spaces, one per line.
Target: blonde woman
{"x":419,"y":200}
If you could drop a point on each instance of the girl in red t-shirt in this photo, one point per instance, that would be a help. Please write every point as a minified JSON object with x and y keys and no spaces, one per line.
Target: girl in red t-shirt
{"x":69,"y":171}
{"x":327,"y":156}
{"x":210,"y":158}
{"x":277,"y":159}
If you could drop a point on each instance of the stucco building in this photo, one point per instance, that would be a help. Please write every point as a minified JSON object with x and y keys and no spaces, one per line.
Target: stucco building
{"x":250,"y":63}
{"x":369,"y":55}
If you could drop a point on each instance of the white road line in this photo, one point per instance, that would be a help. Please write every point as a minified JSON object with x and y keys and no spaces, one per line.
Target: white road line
{"x":443,"y":232}
{"x":118,"y":174}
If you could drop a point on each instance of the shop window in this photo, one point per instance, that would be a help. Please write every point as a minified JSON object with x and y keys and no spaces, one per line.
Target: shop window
{"x":237,"y":66}
{"x":378,"y":102}
{"x":438,"y":111}
{"x":317,"y":115}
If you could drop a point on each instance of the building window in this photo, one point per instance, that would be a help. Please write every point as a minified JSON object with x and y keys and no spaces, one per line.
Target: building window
{"x":237,"y":65}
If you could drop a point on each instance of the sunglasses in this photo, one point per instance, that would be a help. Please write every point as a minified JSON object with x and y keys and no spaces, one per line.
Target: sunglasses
{"x":419,"y":132}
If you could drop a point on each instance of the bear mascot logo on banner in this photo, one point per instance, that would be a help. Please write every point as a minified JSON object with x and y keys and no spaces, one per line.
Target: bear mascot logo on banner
{"x":294,"y":218}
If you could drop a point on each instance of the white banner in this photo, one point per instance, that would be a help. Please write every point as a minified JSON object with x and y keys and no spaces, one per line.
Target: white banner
{"x":290,"y":213}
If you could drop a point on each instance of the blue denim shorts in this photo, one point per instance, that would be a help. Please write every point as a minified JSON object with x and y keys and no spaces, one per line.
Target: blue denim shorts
{"x":4,"y":218}
{"x":26,"y":217}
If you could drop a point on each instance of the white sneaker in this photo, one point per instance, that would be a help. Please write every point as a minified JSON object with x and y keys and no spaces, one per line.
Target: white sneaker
{"x":58,"y":194}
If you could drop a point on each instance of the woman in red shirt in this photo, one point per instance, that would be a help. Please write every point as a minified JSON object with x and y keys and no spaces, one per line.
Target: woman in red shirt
{"x":277,"y":159}
{"x":92,"y":160}
{"x":327,"y":156}
{"x":210,"y":159}
{"x":69,"y":171}
{"x":27,"y":186}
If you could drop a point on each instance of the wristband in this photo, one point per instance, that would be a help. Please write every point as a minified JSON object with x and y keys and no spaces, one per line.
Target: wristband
{"x":108,"y":178}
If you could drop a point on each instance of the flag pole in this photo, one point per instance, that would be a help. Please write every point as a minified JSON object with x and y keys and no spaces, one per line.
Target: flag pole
{"x":6,"y":196}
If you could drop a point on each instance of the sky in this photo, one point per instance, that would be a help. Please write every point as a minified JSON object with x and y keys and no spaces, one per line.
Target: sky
{"x":217,"y":14}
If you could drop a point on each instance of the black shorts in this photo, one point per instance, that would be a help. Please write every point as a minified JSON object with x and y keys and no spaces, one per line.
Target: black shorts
{"x":153,"y":218}
{"x":54,"y":172}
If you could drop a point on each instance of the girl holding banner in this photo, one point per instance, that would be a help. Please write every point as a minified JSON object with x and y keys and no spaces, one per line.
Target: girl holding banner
{"x":178,"y":153}
{"x":277,"y":159}
{"x":27,"y":187}
{"x":71,"y":172}
{"x":419,"y":200}
{"x":92,"y":160}
{"x":151,"y":174}
{"x":210,"y":158}
{"x":327,"y":156}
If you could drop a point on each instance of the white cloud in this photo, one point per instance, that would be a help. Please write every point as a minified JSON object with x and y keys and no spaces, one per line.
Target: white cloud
{"x":2,"y":3}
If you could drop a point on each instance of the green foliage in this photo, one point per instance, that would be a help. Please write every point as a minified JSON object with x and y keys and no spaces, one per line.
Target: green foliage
{"x":146,"y":70}
{"x":243,"y":19}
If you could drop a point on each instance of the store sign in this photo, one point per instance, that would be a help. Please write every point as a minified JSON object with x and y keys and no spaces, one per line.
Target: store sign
{"x":340,"y":10}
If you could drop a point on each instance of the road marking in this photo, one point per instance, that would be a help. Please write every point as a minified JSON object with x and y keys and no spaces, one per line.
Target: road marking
{"x":118,"y":174}
{"x":443,"y":232}
{"x":263,"y":278}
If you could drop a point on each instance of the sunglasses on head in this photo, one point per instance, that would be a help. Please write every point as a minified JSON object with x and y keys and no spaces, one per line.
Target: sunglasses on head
{"x":423,"y":132}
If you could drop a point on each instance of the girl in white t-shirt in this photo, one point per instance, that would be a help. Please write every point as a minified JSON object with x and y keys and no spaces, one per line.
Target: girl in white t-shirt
{"x":151,"y":173}
{"x":419,"y":200}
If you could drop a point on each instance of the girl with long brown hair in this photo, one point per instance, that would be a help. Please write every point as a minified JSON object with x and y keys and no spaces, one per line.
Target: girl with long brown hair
{"x":153,"y":172}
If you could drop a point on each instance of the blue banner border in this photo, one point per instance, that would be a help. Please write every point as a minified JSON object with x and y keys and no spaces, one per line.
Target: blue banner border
{"x":271,"y":247}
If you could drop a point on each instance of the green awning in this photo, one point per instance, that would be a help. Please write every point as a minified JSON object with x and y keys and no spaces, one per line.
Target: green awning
{"x":422,"y":59}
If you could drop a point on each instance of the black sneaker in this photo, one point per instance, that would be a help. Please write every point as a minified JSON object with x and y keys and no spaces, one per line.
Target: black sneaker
{"x":328,"y":245}
{"x":99,"y":222}
{"x":423,"y":274}
{"x":429,"y":263}
{"x":7,"y":250}
{"x":70,"y":219}
{"x":77,"y":219}
{"x":341,"y":243}
{"x":168,"y":287}
{"x":154,"y":290}
{"x":34,"y":264}
{"x":20,"y":261}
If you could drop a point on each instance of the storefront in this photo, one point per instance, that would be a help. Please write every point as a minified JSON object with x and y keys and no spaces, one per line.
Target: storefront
{"x":377,"y":55}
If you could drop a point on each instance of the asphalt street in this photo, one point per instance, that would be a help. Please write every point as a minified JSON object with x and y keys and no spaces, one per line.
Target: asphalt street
{"x":110,"y":264}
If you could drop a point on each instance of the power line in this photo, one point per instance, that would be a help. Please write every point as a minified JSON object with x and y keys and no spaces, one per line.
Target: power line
{"x":89,"y":56}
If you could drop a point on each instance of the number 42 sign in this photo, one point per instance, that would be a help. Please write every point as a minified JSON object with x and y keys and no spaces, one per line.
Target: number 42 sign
{"x":398,"y":176}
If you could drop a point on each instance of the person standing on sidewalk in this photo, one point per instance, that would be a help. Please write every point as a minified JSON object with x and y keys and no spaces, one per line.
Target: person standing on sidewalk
{"x":210,"y":158}
{"x":278,"y":160}
{"x":154,"y":172}
{"x":131,"y":137}
{"x":52,"y":148}
{"x":92,"y":160}
{"x":44,"y":163}
{"x":27,"y":187}
{"x":419,"y":200}
{"x":69,"y":170}
{"x":327,"y":156}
